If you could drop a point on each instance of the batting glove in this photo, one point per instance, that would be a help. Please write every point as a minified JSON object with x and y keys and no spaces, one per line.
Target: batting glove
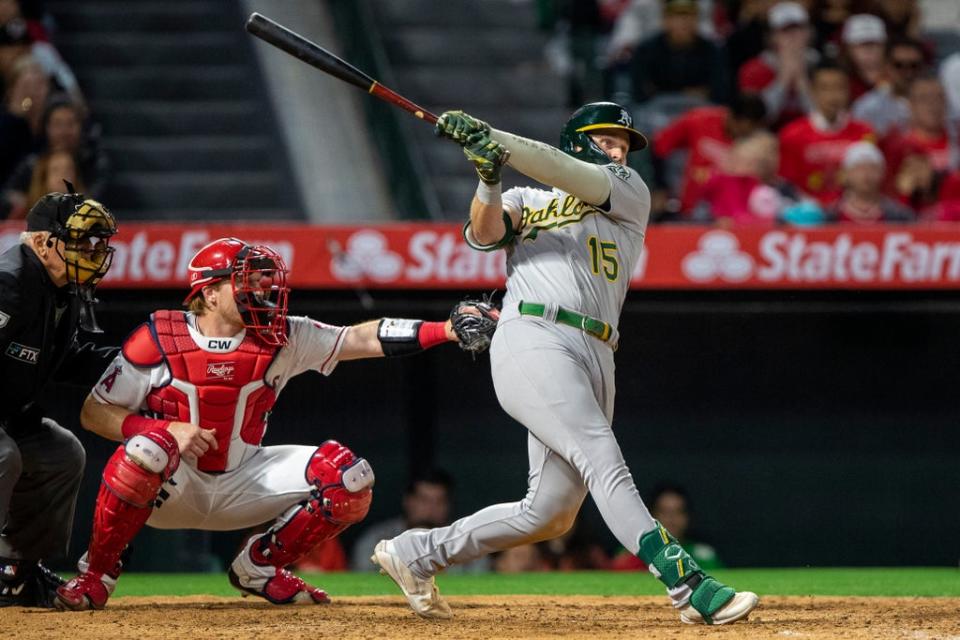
{"x":458,"y":126}
{"x":487,"y":156}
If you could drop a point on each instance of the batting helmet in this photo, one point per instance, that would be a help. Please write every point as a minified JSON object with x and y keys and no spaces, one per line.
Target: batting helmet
{"x":259,"y":279}
{"x":596,"y":116}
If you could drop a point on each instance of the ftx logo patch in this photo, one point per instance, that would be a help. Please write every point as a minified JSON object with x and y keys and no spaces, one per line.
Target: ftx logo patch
{"x":23,"y":353}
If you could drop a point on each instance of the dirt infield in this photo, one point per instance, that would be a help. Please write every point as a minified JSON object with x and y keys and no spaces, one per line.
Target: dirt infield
{"x":515,"y":617}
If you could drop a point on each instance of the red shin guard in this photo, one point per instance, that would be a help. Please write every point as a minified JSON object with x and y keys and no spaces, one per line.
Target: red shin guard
{"x":131,"y":481}
{"x":341,"y":497}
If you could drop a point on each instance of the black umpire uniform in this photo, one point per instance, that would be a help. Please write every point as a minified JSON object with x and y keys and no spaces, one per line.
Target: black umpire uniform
{"x":41,"y":463}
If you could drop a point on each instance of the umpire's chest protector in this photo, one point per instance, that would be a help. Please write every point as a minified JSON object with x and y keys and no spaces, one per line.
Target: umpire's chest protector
{"x":226,"y":392}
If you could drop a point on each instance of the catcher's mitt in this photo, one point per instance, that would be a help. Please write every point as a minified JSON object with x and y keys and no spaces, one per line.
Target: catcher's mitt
{"x":474,"y":322}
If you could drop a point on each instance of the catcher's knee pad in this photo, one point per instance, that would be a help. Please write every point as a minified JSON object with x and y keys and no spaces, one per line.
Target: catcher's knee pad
{"x":344,"y":482}
{"x":131,"y":481}
{"x":340,"y":497}
{"x":136,"y":470}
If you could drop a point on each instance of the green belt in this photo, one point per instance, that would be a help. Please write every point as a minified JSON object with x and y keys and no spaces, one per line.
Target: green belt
{"x":597,"y":328}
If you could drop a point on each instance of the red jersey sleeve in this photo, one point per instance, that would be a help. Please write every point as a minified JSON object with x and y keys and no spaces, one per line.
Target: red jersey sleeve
{"x":672,"y":137}
{"x":755,"y":75}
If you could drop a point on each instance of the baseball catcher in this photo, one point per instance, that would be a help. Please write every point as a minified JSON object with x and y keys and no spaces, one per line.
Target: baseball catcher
{"x":189,"y":398}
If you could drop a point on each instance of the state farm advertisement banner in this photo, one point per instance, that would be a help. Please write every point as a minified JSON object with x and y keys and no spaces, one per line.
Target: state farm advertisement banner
{"x":424,"y":255}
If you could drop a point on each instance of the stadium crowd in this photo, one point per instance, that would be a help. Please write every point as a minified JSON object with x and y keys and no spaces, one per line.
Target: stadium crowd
{"x":45,"y":129}
{"x":766,"y":111}
{"x":758,"y":111}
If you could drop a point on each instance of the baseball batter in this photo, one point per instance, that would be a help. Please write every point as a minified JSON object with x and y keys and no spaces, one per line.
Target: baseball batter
{"x":570,"y":253}
{"x":200,"y":385}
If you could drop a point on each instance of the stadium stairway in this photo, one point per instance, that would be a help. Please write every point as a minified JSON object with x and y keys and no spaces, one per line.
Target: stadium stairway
{"x":185,"y":114}
{"x":482,"y":56}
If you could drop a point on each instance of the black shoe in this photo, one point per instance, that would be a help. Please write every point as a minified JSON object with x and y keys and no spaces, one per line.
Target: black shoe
{"x":27,"y":584}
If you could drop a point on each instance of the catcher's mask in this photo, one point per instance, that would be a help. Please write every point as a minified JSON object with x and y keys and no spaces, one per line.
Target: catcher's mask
{"x":84,"y":228}
{"x":258,"y":277}
{"x":592,"y":118}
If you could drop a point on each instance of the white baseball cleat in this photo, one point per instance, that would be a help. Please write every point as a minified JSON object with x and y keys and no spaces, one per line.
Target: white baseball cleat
{"x":423,"y":595}
{"x":738,"y":608}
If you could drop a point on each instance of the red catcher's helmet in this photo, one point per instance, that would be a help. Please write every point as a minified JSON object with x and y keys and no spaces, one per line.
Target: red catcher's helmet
{"x":259,"y":278}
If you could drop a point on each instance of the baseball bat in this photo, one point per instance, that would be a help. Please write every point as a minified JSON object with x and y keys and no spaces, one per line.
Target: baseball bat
{"x":316,"y":56}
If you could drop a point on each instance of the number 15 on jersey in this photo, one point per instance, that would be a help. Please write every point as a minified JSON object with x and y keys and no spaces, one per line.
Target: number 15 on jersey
{"x":603,"y":256}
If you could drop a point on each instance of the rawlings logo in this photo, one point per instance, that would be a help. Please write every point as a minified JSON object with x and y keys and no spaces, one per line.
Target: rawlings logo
{"x":110,"y":378}
{"x":222,"y":370}
{"x":23,"y":353}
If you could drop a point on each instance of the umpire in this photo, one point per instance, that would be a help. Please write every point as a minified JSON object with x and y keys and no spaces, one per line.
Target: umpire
{"x":46,"y":293}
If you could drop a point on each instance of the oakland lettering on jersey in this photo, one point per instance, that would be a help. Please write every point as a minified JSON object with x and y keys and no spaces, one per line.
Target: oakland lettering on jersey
{"x":554,"y":215}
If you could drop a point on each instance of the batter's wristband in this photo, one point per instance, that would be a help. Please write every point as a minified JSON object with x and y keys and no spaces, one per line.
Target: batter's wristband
{"x":490,"y":194}
{"x":134,"y":424}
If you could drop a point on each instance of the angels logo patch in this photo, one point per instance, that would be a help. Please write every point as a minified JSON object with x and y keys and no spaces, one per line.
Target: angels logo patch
{"x":110,"y":379}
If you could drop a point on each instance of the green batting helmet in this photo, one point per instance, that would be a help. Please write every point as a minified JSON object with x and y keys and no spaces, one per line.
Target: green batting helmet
{"x":575,"y":138}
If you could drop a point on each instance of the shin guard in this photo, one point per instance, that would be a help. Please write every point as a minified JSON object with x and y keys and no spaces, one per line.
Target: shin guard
{"x":341,"y":496}
{"x":683,"y":577}
{"x":131,"y":481}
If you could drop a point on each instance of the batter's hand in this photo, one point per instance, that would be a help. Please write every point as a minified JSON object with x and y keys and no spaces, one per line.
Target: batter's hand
{"x":458,"y":126}
{"x":193,"y":441}
{"x":487,"y":156}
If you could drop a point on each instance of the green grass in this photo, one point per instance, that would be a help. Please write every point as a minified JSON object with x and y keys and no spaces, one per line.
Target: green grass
{"x":851,"y":582}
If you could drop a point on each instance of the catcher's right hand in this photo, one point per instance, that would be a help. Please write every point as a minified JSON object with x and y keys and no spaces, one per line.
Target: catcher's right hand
{"x":458,"y":126}
{"x":474,"y":322}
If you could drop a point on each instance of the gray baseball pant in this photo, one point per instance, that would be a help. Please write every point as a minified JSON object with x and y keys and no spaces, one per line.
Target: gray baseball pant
{"x":41,"y":466}
{"x":559,"y":383}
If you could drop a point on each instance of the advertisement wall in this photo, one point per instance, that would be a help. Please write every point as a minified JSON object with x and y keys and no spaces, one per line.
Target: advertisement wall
{"x":434,"y":256}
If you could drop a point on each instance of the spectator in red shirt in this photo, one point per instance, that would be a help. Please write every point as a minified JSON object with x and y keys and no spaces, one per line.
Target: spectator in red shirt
{"x":812,"y":147}
{"x":707,"y":133}
{"x":863,"y":201}
{"x":779,"y":74}
{"x":925,"y":151}
{"x":864,"y":38}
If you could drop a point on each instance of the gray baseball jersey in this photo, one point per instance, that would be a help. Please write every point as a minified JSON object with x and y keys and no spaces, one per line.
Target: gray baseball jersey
{"x":555,"y":379}
{"x":577,"y":255}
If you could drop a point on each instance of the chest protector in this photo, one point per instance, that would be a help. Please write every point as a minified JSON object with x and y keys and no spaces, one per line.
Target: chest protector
{"x":226,"y":392}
